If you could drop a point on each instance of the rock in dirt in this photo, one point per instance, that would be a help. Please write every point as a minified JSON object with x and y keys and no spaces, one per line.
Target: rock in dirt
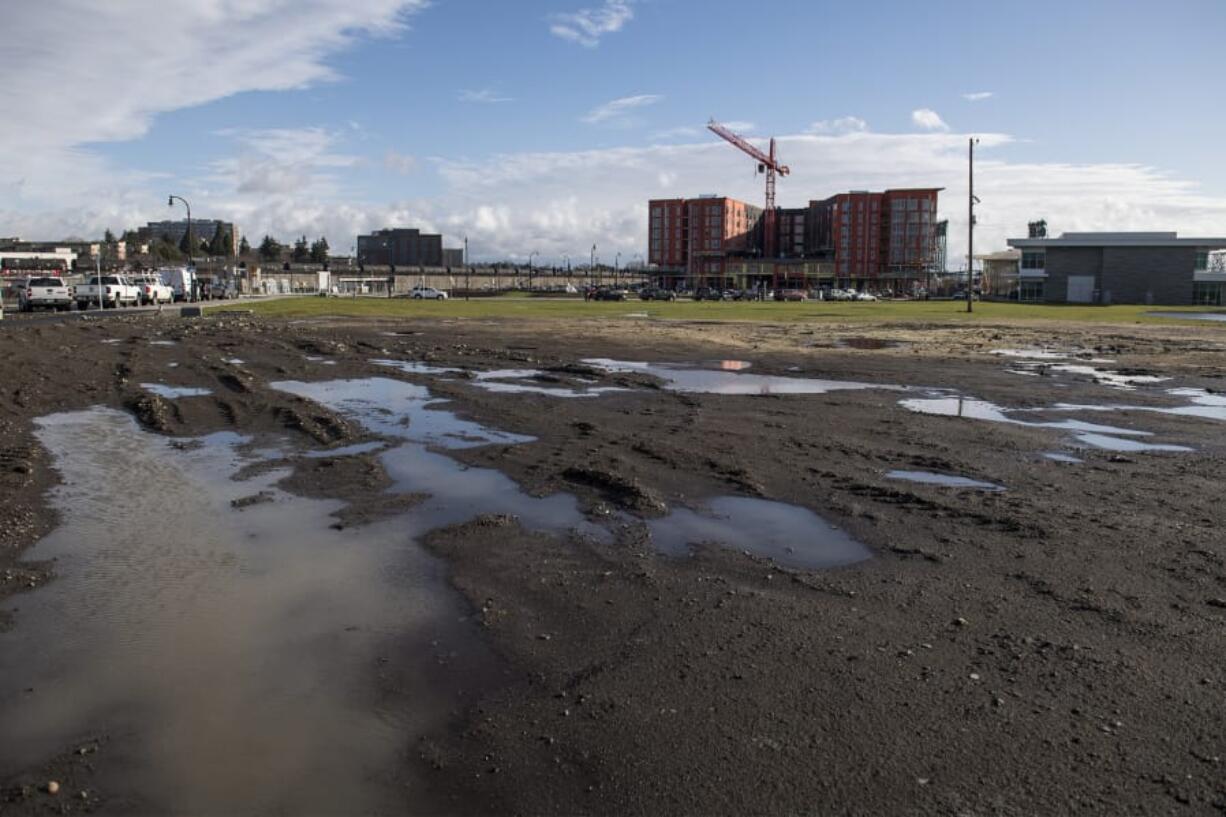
{"x":629,"y":493}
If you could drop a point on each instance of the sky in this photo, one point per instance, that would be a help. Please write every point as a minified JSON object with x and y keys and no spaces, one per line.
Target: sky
{"x":545,"y":125}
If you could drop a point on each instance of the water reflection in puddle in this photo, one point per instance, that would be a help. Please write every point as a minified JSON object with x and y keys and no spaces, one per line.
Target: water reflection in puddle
{"x":398,"y":409}
{"x":707,"y":381}
{"x":495,"y":380}
{"x":786,"y":534}
{"x":323,"y":361}
{"x":1190,"y":316}
{"x":1042,"y":361}
{"x":1056,"y":456}
{"x":347,"y":450}
{"x":174,"y":392}
{"x":944,"y":480}
{"x":1118,"y":444}
{"x":235,"y":656}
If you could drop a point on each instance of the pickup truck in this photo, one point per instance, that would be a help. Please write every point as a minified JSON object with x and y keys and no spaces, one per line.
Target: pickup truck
{"x":116,"y":291}
{"x":152,"y":290}
{"x":46,"y":291}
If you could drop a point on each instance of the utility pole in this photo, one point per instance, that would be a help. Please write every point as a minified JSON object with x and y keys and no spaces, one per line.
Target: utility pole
{"x":970,"y":235}
{"x":530,"y":256}
{"x":468,"y":271}
{"x":591,"y":267}
{"x":617,"y":259}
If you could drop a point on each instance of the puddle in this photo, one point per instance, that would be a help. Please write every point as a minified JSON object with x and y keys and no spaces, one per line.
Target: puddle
{"x":867,"y":343}
{"x":1106,"y":376}
{"x":494,"y":380}
{"x":944,"y":480}
{"x":347,"y":450}
{"x":323,"y":361}
{"x":1032,"y":354}
{"x":250,"y":661}
{"x":1035,"y":362}
{"x":1108,"y":443}
{"x":394,"y":408}
{"x":110,"y":340}
{"x":234,"y":361}
{"x":1056,"y":456}
{"x":706,"y":381}
{"x":1190,"y":316}
{"x":786,"y":534}
{"x":732,"y":365}
{"x":163,"y":343}
{"x":174,"y":392}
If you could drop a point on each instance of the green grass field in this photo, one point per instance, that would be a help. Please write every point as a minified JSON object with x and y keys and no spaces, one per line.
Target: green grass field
{"x":815,"y":311}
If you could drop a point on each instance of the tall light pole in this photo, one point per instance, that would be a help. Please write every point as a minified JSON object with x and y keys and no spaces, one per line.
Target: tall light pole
{"x":617,"y":261}
{"x":591,"y":267}
{"x":468,"y":271}
{"x":970,"y":227}
{"x":170,"y":202}
{"x":530,"y":256}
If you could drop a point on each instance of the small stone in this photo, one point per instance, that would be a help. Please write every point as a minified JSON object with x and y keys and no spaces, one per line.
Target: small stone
{"x":53,"y":787}
{"x":974,"y":676}
{"x":960,"y":622}
{"x":923,"y":781}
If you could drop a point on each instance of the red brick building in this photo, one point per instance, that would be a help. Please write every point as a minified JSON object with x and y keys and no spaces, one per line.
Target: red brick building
{"x":869,"y":240}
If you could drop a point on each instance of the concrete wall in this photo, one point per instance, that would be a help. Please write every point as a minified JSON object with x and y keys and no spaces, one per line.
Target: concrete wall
{"x":1148,"y":275}
{"x":1124,"y":275}
{"x":1065,"y":261}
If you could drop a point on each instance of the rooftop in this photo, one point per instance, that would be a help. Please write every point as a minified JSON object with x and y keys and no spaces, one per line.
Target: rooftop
{"x":1117,"y":239}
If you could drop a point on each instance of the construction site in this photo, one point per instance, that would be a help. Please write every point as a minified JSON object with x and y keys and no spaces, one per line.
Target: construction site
{"x":890,"y":241}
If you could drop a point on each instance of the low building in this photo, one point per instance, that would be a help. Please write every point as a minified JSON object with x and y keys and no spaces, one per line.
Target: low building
{"x":406,"y":247}
{"x":1122,"y":268}
{"x":999,"y":278}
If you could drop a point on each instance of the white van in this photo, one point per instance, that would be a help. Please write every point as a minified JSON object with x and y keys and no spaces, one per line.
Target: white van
{"x":181,"y":280}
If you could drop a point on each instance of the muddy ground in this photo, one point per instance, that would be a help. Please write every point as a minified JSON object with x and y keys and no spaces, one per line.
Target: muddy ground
{"x":1053,"y":648}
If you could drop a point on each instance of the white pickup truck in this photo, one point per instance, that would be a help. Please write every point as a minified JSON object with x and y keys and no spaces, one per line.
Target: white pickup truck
{"x":117,"y":290}
{"x":152,"y":289}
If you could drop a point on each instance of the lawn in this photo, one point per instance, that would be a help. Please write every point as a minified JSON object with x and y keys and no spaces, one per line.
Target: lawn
{"x":816,"y":311}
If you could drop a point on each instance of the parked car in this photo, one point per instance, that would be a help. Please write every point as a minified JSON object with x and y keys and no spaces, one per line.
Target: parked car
{"x":607,"y":294}
{"x":47,"y":292}
{"x":708,"y":294}
{"x":657,"y":294}
{"x":420,"y":293}
{"x":865,"y":296}
{"x":113,"y":290}
{"x":152,"y":289}
{"x":220,"y":291}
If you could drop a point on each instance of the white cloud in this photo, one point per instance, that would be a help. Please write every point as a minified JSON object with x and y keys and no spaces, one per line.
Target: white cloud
{"x":588,"y":25}
{"x":617,"y":110}
{"x":843,"y":124}
{"x":928,"y":119}
{"x":978,"y":96}
{"x":399,"y":162}
{"x":483,"y":96}
{"x":278,"y":161}
{"x":681,"y":132}
{"x":82,"y":73}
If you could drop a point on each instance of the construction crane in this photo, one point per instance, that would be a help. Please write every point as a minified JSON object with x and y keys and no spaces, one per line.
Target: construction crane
{"x":768,"y":164}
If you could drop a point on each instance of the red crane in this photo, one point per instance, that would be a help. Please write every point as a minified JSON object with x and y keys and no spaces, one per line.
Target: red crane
{"x":768,"y":164}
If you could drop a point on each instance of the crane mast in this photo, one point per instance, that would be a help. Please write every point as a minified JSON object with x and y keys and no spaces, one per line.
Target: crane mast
{"x":768,"y":164}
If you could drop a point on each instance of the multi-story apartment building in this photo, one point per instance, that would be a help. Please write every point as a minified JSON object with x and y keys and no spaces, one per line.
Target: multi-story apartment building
{"x":406,"y":248}
{"x":866,"y":239}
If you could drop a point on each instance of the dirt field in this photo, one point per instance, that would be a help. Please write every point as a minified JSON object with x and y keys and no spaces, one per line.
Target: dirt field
{"x":1051,"y":648}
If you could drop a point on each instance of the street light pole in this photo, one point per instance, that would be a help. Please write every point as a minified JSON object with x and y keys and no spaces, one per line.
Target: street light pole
{"x":468,"y":271}
{"x":970,"y":235}
{"x":530,"y":256}
{"x":617,"y":260}
{"x":591,"y":267}
{"x":170,"y":202}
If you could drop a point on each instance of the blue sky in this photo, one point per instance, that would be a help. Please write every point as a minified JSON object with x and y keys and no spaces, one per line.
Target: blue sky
{"x":546,"y":125}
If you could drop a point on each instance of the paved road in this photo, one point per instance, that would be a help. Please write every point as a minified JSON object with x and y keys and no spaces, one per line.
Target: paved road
{"x":13,"y":317}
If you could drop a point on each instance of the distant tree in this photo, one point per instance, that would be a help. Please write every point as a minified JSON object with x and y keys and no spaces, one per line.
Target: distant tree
{"x":222,"y":243}
{"x":244,"y":247}
{"x":187,"y":242}
{"x":165,"y":251}
{"x":301,"y":251}
{"x":319,"y":250}
{"x":108,"y":237}
{"x":270,"y":249}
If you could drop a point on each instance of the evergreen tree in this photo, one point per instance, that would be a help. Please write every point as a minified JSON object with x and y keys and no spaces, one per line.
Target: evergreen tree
{"x":319,"y":250}
{"x":165,"y":251}
{"x":221,"y":243}
{"x":301,"y":251}
{"x":108,"y":238}
{"x":244,"y":246}
{"x":187,"y":242}
{"x":270,"y":249}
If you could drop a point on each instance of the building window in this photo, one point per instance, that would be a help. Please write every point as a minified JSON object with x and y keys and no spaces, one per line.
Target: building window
{"x":1030,"y":291}
{"x":1207,"y":293}
{"x":1202,"y":261}
{"x":1033,"y":259}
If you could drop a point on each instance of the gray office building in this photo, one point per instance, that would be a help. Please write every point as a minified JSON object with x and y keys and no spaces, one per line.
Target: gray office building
{"x":405,"y":248}
{"x":1121,"y":268}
